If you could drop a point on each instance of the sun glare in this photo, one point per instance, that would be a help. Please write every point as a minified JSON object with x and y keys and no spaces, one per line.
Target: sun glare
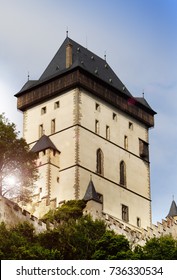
{"x":11,"y":180}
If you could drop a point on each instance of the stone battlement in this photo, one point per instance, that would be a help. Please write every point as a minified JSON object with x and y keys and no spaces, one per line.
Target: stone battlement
{"x":12,"y":214}
{"x":136,"y":235}
{"x":141,"y":235}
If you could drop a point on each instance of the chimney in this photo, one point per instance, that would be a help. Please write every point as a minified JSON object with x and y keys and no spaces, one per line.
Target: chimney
{"x":69,"y":55}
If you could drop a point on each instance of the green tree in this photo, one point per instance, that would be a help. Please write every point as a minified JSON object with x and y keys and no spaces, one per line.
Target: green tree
{"x":112,"y":247}
{"x":17,"y":164}
{"x":20,"y":243}
{"x":162,"y":248}
{"x":74,"y":235}
{"x":72,"y":209}
{"x":75,"y":239}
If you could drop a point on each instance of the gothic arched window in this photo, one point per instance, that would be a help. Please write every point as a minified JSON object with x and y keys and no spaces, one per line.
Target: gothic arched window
{"x":122,"y":173}
{"x":99,"y":162}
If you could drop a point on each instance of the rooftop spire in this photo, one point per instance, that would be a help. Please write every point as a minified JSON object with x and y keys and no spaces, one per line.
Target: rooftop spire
{"x":91,"y":193}
{"x":67,"y":32}
{"x":173,"y":210}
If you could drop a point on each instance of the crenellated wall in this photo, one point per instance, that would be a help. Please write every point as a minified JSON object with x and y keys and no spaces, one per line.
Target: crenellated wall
{"x":12,"y":214}
{"x":140,"y":235}
{"x":135,"y":235}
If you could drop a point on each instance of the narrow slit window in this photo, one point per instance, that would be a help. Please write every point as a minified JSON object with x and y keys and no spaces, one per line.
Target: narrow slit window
{"x":97,"y":107}
{"x":125,"y":142}
{"x":43,"y":110}
{"x":138,"y":222}
{"x":97,"y":126}
{"x":130,"y":125}
{"x":99,"y":162}
{"x":53,"y":126}
{"x":114,"y":116}
{"x":122,"y":173}
{"x":56,"y":104}
{"x":107,"y":132}
{"x":41,"y":130}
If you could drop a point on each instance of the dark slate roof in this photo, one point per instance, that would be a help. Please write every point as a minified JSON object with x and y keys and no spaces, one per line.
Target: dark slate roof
{"x":143,"y":101}
{"x":29,"y":84}
{"x":84,"y":59}
{"x":91,"y":193}
{"x":42,"y":144}
{"x":173,"y":210}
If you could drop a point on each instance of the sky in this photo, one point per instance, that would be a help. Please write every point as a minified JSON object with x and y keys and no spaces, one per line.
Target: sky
{"x":139,"y":38}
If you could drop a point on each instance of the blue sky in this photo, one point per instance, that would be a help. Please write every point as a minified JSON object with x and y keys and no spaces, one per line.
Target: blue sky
{"x":140,"y":41}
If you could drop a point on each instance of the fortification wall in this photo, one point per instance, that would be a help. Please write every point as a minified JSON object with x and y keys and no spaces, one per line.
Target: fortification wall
{"x":12,"y":214}
{"x":135,"y":235}
{"x":140,"y":235}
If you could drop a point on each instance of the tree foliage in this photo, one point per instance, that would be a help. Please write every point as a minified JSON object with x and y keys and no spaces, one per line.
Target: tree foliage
{"x":20,"y":243}
{"x":72,"y":209}
{"x":16,"y":162}
{"x":112,"y":247}
{"x":162,"y":248}
{"x":75,"y":239}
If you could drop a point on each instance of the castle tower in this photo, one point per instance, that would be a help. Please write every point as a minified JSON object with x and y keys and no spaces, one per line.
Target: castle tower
{"x":99,"y":129}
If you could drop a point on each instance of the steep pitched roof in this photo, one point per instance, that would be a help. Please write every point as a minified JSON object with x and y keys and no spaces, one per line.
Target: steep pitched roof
{"x":42,"y":144}
{"x":83,"y":58}
{"x":173,"y":210}
{"x":29,"y":84}
{"x":91,"y":193}
{"x":143,"y":101}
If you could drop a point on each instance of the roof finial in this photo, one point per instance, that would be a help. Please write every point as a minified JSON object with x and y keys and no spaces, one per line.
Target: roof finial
{"x":90,"y":177}
{"x":86,"y":42}
{"x":66,"y":31}
{"x":173,"y":197}
{"x":105,"y":55}
{"x":143,"y":93}
{"x":28,"y":76}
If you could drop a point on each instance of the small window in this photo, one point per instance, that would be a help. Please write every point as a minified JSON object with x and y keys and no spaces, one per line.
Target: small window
{"x":130,"y":125}
{"x":97,"y":126}
{"x":138,"y":221}
{"x":43,"y":110}
{"x":125,"y":142}
{"x":58,"y":180}
{"x":114,"y":116}
{"x":44,"y":152}
{"x":56,"y":104}
{"x":143,"y":149}
{"x":53,"y":126}
{"x":41,"y":130}
{"x":97,"y":107}
{"x":107,"y":132}
{"x":125,"y":216}
{"x":100,"y":196}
